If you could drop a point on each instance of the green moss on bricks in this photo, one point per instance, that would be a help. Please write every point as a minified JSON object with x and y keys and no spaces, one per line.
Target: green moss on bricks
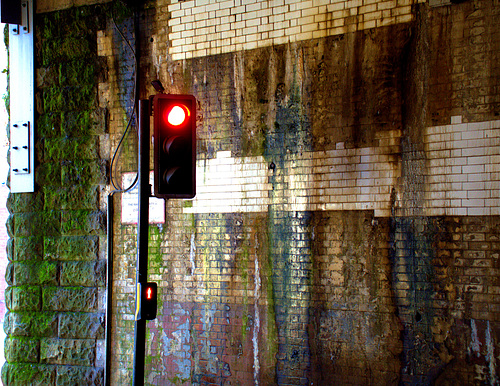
{"x":83,"y":222}
{"x":119,"y":11}
{"x":47,"y":223}
{"x":83,"y":273}
{"x":53,"y":99}
{"x":69,"y":299}
{"x":49,"y":125}
{"x":21,"y":349}
{"x":71,"y":375}
{"x":71,"y":148}
{"x":23,"y":298}
{"x":24,"y":202}
{"x":43,"y":324}
{"x":80,"y":97}
{"x":48,"y":174}
{"x":63,"y":213}
{"x":71,"y":248}
{"x":268,"y":289}
{"x":84,"y":123}
{"x":18,"y":374}
{"x":155,"y":253}
{"x":67,"y":49}
{"x":33,"y":272}
{"x":33,"y":324}
{"x":77,"y":72}
{"x":27,"y":248}
{"x":78,"y":352}
{"x":46,"y":272}
{"x":76,"y":123}
{"x":84,"y":172}
{"x":71,"y":197}
{"x":73,"y":23}
{"x":81,"y":325}
{"x":244,"y":278}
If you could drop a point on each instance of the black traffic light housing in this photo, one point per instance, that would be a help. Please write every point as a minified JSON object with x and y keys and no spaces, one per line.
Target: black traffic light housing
{"x":174,"y":146}
{"x":10,"y":11}
{"x":147,"y":301}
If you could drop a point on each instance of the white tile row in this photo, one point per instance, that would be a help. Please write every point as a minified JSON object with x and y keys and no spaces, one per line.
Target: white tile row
{"x":207,"y":27}
{"x":457,"y":181}
{"x":463,"y":168}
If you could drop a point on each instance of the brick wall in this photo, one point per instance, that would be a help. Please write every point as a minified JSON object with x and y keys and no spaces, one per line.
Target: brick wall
{"x":346,"y":224}
{"x":463,"y":169}
{"x":462,"y":174}
{"x":56,"y":270}
{"x":4,"y":192}
{"x":206,"y":27}
{"x":344,"y":229}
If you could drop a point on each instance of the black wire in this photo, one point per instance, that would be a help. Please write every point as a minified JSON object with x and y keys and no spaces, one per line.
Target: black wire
{"x":117,"y":187}
{"x":115,"y":154}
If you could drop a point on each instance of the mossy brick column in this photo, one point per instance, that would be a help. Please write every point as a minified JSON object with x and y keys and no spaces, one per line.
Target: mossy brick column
{"x":56,"y":272}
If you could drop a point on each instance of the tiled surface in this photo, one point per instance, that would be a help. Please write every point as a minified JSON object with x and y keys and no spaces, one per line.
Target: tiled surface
{"x":462,"y":177}
{"x":208,"y":27}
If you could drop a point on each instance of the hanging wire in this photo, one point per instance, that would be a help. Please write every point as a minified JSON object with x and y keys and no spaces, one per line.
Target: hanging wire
{"x":116,"y":186}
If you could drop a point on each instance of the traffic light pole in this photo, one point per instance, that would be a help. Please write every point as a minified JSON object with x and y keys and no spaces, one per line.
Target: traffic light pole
{"x":142,"y":237}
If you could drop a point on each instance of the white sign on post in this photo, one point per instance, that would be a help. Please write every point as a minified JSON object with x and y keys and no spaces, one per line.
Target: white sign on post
{"x":130,"y":203}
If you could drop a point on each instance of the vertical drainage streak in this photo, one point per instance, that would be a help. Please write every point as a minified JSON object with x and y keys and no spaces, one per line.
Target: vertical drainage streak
{"x":490,"y":355}
{"x":288,"y":229}
{"x":192,"y":254}
{"x":256,"y":325}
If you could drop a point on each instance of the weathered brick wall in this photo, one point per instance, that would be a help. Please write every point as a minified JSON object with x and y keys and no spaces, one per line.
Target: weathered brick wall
{"x":4,"y":237}
{"x":346,"y":226}
{"x":269,"y":302}
{"x":345,"y":229}
{"x":56,"y":271}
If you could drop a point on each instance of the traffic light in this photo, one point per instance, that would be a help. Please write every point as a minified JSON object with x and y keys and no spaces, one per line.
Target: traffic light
{"x":147,"y":301}
{"x":174,"y":146}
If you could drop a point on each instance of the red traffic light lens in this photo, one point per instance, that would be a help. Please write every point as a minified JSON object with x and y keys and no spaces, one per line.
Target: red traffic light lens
{"x":177,"y":115}
{"x":149,"y":293}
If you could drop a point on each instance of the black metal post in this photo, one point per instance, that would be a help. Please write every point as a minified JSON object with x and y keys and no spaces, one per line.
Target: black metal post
{"x":109,"y":286}
{"x":142,"y":236}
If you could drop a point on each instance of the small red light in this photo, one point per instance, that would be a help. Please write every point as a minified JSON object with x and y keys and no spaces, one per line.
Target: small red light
{"x":149,"y":293}
{"x":178,"y":115}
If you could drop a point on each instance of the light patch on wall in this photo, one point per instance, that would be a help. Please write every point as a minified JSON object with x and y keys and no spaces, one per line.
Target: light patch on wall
{"x":340,"y":179}
{"x":462,"y":177}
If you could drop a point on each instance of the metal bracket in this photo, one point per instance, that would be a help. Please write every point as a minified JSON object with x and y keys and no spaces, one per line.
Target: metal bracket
{"x":24,"y":27}
{"x":20,"y":147}
{"x":22,"y":101}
